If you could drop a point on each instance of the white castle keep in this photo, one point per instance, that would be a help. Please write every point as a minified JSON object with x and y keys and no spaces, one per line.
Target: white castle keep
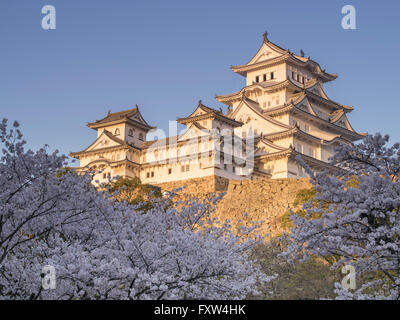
{"x":280,"y":113}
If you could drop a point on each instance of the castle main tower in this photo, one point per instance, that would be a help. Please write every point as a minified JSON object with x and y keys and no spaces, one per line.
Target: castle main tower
{"x":285,"y":104}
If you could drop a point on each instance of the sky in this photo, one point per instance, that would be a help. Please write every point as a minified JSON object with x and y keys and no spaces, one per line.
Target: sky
{"x":167,"y":55}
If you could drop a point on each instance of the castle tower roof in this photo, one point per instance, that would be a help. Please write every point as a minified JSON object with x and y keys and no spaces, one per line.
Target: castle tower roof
{"x":132,"y":116}
{"x":203,"y":112}
{"x":271,"y":53}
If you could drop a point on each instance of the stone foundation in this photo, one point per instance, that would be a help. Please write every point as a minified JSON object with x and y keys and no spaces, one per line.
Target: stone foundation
{"x":265,"y":200}
{"x":261,"y":199}
{"x":198,"y":186}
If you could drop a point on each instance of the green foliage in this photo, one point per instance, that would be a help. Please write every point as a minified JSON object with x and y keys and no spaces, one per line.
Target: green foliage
{"x":302,"y":196}
{"x":134,"y":192}
{"x":63,"y":171}
{"x":312,"y":279}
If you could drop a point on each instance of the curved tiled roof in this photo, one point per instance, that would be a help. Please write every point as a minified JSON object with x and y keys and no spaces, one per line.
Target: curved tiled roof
{"x":121,"y":116}
{"x":208,"y":112}
{"x":120,"y":142}
{"x":285,"y":55}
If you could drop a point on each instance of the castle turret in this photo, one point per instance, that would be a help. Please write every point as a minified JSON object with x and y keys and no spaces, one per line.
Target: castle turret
{"x":284,"y":101}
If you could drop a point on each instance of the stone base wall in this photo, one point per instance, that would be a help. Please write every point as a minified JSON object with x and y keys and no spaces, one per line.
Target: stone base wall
{"x":265,"y":200}
{"x":198,"y":186}
{"x":261,"y":199}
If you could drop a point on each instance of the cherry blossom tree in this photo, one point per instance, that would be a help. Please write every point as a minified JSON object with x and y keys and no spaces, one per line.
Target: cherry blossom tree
{"x":354,"y":218}
{"x":105,"y":249}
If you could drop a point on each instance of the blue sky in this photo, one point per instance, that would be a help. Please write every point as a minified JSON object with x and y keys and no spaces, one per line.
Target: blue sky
{"x":166,"y":55}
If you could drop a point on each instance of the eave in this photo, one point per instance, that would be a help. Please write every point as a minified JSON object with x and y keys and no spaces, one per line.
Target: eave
{"x":94,"y":125}
{"x":210,"y":115}
{"x":290,"y":58}
{"x":353,"y":136}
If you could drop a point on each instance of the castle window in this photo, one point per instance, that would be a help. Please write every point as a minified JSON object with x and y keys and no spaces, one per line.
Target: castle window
{"x":257,"y":79}
{"x":116,"y":132}
{"x":141,"y":136}
{"x":130,"y":133}
{"x":148,"y":175}
{"x":293,"y":75}
{"x":272,"y":76}
{"x":298,"y":78}
{"x":152,"y":174}
{"x":169,"y":171}
{"x":187,"y":167}
{"x":302,"y":79}
{"x":265,"y":77}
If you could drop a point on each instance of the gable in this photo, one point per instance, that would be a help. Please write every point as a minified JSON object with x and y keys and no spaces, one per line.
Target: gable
{"x":265,"y":147}
{"x":306,"y":106}
{"x":103,"y":141}
{"x":192,"y":132}
{"x":252,"y":118}
{"x":344,"y":123}
{"x":198,"y":111}
{"x":138,"y":117}
{"x":317,"y":89}
{"x":266,"y":52}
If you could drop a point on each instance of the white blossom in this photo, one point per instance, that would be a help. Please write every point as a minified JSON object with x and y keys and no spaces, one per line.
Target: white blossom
{"x":360,"y":221}
{"x":104,"y":249}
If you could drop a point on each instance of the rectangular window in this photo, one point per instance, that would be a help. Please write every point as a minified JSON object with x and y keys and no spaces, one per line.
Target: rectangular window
{"x":233,"y":169}
{"x":272,"y":76}
{"x":187,"y":167}
{"x":302,"y":79}
{"x":292,"y":75}
{"x":169,"y":171}
{"x":182,"y":168}
{"x":148,"y":175}
{"x":257,"y":79}
{"x":225,"y":166}
{"x":298,"y":78}
{"x":152,"y":174}
{"x":104,"y":175}
{"x":265,"y":77}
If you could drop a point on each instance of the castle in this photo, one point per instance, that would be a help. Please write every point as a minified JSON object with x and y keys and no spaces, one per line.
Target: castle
{"x":282,"y":112}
